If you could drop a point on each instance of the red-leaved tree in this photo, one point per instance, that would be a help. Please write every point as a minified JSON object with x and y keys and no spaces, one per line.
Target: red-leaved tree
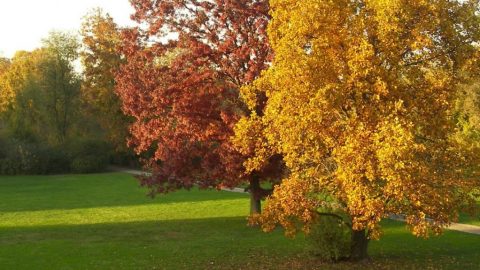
{"x":184,"y":66}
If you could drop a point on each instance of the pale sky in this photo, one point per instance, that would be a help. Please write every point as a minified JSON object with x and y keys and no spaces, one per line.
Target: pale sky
{"x":24,"y":23}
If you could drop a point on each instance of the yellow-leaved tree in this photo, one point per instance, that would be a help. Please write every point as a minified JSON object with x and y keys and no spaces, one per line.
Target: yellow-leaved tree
{"x":360,"y":99}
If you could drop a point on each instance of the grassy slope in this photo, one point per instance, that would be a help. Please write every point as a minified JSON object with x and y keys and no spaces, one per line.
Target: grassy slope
{"x":106,"y":222}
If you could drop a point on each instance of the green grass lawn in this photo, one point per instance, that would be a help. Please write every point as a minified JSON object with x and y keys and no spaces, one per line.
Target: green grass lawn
{"x":105,"y":221}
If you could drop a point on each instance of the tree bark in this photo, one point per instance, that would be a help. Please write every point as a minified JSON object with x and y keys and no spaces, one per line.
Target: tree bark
{"x":255,"y":200}
{"x":359,"y":246}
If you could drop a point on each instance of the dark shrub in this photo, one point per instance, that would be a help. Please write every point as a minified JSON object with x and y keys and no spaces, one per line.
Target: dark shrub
{"x":125,"y":159}
{"x":88,"y":164}
{"x":79,"y":156}
{"x":19,"y":158}
{"x":56,"y":160}
{"x":89,"y":156}
{"x":9,"y":166}
{"x":330,"y":239}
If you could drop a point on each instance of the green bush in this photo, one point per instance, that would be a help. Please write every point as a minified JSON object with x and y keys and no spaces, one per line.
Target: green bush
{"x":125,"y":159}
{"x":89,"y":156}
{"x":88,"y":164}
{"x":3,"y":148}
{"x":55,"y":160}
{"x":20,"y":158}
{"x":9,"y":166}
{"x":37,"y":161}
{"x":79,"y":156}
{"x":85,"y":147}
{"x":30,"y":158}
{"x":330,"y":239}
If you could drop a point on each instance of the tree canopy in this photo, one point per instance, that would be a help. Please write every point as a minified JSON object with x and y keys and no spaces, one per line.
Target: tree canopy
{"x":360,"y":99}
{"x":184,"y":67}
{"x":101,"y":61}
{"x":39,"y":88}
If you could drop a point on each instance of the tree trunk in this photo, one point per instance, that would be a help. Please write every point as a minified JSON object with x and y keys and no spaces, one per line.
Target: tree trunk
{"x":255,"y":200}
{"x":359,"y":246}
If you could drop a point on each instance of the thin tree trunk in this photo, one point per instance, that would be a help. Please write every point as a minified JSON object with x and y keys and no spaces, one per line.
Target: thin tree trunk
{"x":255,"y":200}
{"x":359,"y":246}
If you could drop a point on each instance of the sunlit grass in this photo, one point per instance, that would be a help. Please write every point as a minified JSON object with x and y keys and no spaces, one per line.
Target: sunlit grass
{"x":106,"y":221}
{"x":125,"y":214}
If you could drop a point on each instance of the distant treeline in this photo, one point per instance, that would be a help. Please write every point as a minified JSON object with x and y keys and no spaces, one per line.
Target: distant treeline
{"x":57,"y":116}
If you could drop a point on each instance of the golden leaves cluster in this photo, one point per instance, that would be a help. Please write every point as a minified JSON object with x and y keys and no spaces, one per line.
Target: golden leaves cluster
{"x":15,"y":75}
{"x":360,"y":97}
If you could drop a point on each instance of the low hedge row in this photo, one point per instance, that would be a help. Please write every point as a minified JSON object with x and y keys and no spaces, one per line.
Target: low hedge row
{"x":83,"y":156}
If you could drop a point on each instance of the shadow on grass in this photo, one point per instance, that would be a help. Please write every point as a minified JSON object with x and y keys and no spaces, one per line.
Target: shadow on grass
{"x":214,"y":243}
{"x":174,"y":244}
{"x":64,"y":192}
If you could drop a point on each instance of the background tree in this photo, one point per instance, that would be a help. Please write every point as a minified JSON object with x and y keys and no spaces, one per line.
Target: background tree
{"x":4,"y":67}
{"x":13,"y":75}
{"x":360,"y":100}
{"x":39,"y":90}
{"x":184,"y":67}
{"x":42,"y":122}
{"x":32,"y":98}
{"x":101,"y":60}
{"x":61,"y":82}
{"x":21,"y":94}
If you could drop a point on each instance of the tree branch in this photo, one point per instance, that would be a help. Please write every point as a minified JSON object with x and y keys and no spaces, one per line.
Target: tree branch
{"x":326,"y":214}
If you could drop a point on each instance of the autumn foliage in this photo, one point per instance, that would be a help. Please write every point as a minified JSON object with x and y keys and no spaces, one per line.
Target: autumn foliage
{"x":360,"y":98}
{"x":101,"y":61}
{"x":353,"y":118}
{"x":184,"y":67}
{"x":38,"y":90}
